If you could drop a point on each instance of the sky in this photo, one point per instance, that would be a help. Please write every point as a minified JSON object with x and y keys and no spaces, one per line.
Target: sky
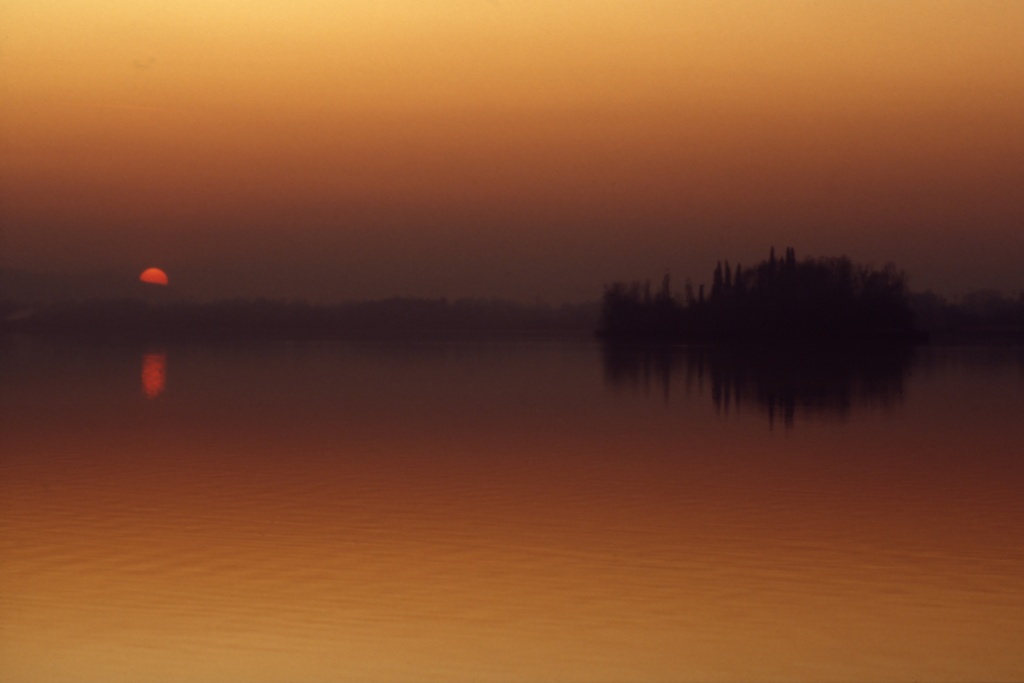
{"x":525,"y":149}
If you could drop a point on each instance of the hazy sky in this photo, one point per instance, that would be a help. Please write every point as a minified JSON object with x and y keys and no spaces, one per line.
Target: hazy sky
{"x":342,"y":149}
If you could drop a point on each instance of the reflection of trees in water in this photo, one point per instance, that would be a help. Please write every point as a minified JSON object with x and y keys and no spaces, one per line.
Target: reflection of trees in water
{"x":779,"y":381}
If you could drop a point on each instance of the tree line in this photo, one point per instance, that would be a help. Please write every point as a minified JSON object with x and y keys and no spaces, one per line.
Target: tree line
{"x":780,"y":298}
{"x":268,"y":318}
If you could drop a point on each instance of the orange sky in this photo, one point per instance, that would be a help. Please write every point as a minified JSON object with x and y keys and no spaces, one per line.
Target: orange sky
{"x":491,"y":147}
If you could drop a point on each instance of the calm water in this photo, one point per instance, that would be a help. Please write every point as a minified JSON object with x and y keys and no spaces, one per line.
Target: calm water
{"x":528,"y":511}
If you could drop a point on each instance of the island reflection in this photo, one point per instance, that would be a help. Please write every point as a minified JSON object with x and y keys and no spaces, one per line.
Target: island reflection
{"x":780,"y":381}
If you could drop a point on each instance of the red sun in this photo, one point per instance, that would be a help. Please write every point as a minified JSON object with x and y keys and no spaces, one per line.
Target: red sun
{"x":153,"y":276}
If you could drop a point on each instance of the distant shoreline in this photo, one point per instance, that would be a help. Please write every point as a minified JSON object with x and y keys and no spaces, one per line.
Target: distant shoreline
{"x":388,"y":320}
{"x":269,"y":319}
{"x":825,"y":302}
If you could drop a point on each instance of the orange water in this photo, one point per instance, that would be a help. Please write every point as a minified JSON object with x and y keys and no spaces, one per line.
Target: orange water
{"x":498,"y":512}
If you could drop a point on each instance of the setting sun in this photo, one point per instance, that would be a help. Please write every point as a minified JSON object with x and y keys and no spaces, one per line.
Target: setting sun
{"x":153,"y":276}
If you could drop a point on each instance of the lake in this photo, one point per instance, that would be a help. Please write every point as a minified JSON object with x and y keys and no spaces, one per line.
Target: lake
{"x":522,"y":511}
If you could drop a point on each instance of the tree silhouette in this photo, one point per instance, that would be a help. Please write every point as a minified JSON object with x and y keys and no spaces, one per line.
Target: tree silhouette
{"x":822,"y":299}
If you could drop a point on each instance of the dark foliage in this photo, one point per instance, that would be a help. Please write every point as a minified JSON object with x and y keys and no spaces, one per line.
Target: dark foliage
{"x":823,"y":299}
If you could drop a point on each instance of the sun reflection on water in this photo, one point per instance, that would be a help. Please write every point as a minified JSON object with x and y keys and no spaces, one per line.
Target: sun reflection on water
{"x":154,"y":374}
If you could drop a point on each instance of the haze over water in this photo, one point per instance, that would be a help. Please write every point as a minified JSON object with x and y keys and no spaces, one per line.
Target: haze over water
{"x":506,"y":511}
